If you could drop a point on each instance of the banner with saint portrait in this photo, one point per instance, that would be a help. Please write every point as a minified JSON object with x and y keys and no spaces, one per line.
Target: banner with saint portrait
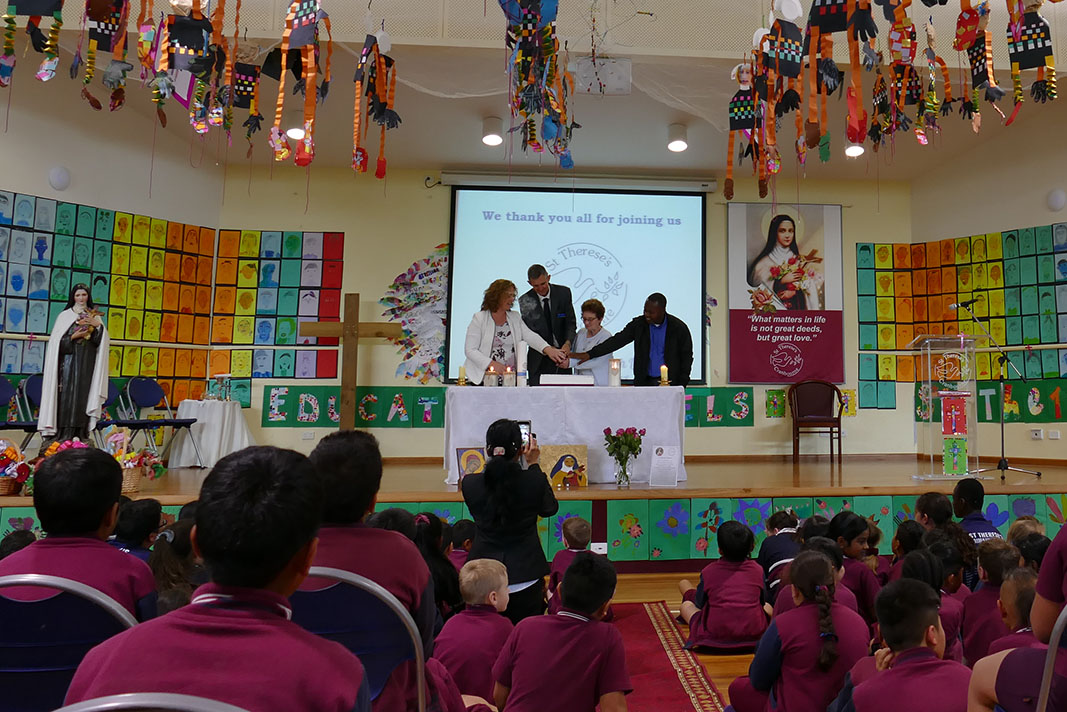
{"x":785,"y":294}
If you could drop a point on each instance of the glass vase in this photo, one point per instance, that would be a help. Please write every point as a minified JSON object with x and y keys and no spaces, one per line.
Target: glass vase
{"x":624,"y":468}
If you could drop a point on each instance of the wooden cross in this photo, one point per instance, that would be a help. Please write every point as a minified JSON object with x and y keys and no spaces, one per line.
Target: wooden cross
{"x":350,"y":329}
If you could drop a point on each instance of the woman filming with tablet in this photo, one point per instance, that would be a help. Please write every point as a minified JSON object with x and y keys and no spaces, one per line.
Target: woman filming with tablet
{"x":505,"y":502}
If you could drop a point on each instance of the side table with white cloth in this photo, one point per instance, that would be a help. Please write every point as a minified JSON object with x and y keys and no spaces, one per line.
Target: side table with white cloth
{"x":220,"y":429}
{"x":563,"y":415}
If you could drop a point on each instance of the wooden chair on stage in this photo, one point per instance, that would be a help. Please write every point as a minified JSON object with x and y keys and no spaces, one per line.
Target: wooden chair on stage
{"x":816,"y":407}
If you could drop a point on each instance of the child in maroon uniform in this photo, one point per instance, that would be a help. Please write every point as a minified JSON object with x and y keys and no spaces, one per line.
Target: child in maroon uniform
{"x":1011,"y":679}
{"x":850,"y":532}
{"x":76,"y":493}
{"x":777,"y":550}
{"x":137,"y":527}
{"x":841,"y":594}
{"x":803,"y":657}
{"x":933,"y":511}
{"x":432,"y":541}
{"x":925,"y":566}
{"x":255,"y":528}
{"x":917,"y":677}
{"x":471,"y":640}
{"x":981,"y":619}
{"x":1016,"y":600}
{"x":536,"y":670}
{"x":908,"y":538}
{"x":349,"y":465}
{"x":726,"y":609}
{"x":463,"y":533}
{"x":942,"y":546}
{"x":576,"y":535}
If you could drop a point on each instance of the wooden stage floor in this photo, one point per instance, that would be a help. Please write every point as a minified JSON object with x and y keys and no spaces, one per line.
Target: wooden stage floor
{"x":754,"y":477}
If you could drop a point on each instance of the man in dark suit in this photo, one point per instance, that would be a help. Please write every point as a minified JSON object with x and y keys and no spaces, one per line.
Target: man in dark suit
{"x":548,"y":309}
{"x":659,"y":339}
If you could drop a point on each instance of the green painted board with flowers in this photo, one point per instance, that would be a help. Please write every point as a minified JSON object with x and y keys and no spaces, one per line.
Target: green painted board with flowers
{"x":19,"y":518}
{"x":753,"y":513}
{"x":879,"y":509}
{"x":567,"y":510}
{"x":1056,"y":511}
{"x":668,"y":529}
{"x":903,"y":508}
{"x":542,"y":533}
{"x":450,"y":512}
{"x":997,"y":509}
{"x":829,"y":506}
{"x":727,"y":406}
{"x":413,"y":507}
{"x":706,"y":516}
{"x":627,"y":530}
{"x":800,"y":506}
{"x":695,"y":406}
{"x":1033,"y":505}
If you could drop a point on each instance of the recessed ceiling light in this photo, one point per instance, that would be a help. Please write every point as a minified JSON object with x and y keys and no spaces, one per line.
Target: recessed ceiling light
{"x":677,"y":138}
{"x":492,"y":131}
{"x":296,"y":133}
{"x":854,"y":150}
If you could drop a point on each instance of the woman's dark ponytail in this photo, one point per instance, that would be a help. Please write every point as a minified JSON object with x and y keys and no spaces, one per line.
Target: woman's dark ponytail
{"x":813,"y":575}
{"x":503,"y":441}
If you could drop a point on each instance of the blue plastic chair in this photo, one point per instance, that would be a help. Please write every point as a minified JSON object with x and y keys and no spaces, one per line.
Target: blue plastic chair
{"x":368,"y":620}
{"x":27,"y":426}
{"x":151,"y":701}
{"x":42,"y":642}
{"x":143,"y":392}
{"x":105,"y":421}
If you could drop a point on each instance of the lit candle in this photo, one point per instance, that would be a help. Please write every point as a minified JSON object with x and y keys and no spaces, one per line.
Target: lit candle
{"x":615,"y":372}
{"x":462,"y":374}
{"x":509,"y":377}
{"x":490,"y":378}
{"x":663,"y":373}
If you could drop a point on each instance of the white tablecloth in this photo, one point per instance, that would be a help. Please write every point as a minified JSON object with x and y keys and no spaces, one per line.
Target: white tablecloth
{"x":220,"y":429}
{"x":563,"y":415}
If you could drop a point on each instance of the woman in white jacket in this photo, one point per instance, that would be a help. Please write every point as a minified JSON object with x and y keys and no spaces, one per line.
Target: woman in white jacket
{"x":495,"y":332}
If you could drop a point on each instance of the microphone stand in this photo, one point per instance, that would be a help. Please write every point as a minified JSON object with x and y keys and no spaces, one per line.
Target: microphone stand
{"x":1002,"y":465}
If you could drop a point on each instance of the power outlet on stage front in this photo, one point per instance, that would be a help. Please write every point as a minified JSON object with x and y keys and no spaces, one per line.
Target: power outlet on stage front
{"x":599,"y":547}
{"x":307,"y":435}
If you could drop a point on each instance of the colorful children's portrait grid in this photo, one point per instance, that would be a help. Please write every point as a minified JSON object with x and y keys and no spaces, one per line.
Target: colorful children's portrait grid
{"x":266,"y":283}
{"x":152,"y":280}
{"x":1018,"y":279}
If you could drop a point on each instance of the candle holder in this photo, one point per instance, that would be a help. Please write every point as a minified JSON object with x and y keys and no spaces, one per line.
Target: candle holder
{"x":462,"y":380}
{"x":664,"y":382}
{"x":491,"y":379}
{"x":509,"y":378}
{"x":615,"y":372}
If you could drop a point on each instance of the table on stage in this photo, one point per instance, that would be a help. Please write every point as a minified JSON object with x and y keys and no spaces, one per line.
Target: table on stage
{"x":569,"y":415}
{"x":220,"y":429}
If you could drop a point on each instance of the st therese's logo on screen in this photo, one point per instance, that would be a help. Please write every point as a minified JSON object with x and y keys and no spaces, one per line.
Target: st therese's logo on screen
{"x":592,"y":272}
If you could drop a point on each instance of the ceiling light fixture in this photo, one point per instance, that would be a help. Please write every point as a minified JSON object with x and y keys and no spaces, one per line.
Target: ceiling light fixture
{"x":676,"y":138}
{"x":296,"y":133}
{"x":492,"y":131}
{"x":854,"y":150}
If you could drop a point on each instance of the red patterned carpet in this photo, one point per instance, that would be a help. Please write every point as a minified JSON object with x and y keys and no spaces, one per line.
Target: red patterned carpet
{"x":666,"y":677}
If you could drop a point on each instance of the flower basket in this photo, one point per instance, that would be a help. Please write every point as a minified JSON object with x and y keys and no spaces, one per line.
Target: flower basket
{"x":131,"y":479}
{"x":9,"y":487}
{"x":14,"y":470}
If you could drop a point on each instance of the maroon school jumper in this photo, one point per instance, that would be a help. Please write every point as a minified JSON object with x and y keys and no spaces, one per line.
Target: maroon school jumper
{"x":981,"y":623}
{"x":861,"y":581}
{"x":842,"y":595}
{"x":917,"y":674}
{"x":1022,"y":638}
{"x":896,"y":571}
{"x":90,"y":561}
{"x":458,"y":557}
{"x":468,"y":646}
{"x":391,"y":560}
{"x":561,"y":662}
{"x":1019,"y":678}
{"x":732,"y":614}
{"x":962,"y":593}
{"x":951,"y":615}
{"x":560,"y":562}
{"x":234,"y":645}
{"x":795,"y":681}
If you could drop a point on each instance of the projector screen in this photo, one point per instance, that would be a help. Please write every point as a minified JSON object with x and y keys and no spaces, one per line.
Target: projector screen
{"x":613,"y":246}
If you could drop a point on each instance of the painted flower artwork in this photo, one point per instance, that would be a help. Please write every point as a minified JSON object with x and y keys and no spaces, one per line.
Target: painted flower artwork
{"x":631,"y":527}
{"x":996,"y":515}
{"x":1024,"y":507}
{"x":753,"y":513}
{"x":708,"y":526}
{"x":675,"y":521}
{"x":558,"y":531}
